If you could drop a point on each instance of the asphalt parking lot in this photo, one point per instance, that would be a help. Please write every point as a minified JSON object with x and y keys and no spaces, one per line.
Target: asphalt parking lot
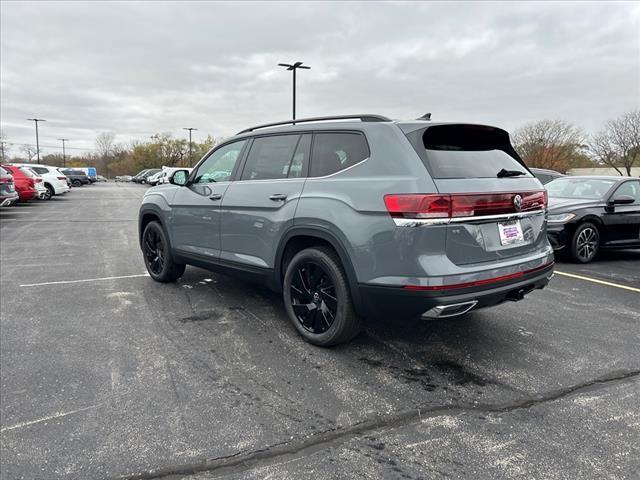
{"x":107,"y":374}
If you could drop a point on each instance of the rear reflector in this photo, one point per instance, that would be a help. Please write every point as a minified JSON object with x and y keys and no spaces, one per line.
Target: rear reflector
{"x":476,"y":283}
{"x":417,"y":205}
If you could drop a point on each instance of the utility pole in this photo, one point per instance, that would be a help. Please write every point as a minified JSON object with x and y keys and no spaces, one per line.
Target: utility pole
{"x":64,"y":154}
{"x":293,"y":68}
{"x":36,"y":120}
{"x":191,"y":129}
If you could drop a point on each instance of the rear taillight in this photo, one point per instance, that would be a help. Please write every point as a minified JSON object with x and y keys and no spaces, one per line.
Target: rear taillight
{"x":37,"y":180}
{"x":64,"y":179}
{"x":463,"y":205}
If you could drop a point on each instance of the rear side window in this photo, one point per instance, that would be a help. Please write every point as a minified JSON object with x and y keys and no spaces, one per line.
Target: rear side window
{"x":270,"y":157}
{"x":466,"y":151}
{"x":335,"y":151}
{"x":40,"y":170}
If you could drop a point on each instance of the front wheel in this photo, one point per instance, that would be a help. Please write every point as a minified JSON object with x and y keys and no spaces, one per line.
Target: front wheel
{"x":157,"y":255}
{"x":317,"y":298}
{"x":585,"y":243}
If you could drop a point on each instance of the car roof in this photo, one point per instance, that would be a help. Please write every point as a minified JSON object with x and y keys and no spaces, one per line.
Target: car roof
{"x":599,"y":177}
{"x":545,"y":170}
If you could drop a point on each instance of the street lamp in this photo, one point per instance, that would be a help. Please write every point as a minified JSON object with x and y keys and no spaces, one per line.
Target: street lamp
{"x":293,"y":68}
{"x":64,"y":154}
{"x":191,"y":129}
{"x":36,"y":120}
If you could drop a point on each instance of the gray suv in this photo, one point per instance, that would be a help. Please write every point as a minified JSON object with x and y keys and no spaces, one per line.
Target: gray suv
{"x":357,"y":216}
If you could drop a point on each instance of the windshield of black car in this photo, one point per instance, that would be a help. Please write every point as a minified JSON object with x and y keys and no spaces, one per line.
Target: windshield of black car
{"x":579,"y":188}
{"x":470,"y":151}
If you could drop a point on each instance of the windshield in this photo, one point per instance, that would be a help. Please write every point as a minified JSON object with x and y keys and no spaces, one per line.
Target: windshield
{"x":580,"y":188}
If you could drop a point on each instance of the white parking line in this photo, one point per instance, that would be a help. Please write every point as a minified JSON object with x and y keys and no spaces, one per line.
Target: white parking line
{"x":83,"y":280}
{"x":44,"y":419}
{"x":601,"y":282}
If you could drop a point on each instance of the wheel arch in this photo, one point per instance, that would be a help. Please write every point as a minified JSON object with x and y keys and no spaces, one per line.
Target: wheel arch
{"x":298,"y":238}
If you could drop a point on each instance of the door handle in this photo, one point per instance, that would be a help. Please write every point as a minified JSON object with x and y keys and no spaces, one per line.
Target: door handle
{"x":215,"y":196}
{"x":278,"y":197}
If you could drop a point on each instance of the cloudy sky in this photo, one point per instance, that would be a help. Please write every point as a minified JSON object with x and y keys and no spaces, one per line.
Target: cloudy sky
{"x":137,"y":68}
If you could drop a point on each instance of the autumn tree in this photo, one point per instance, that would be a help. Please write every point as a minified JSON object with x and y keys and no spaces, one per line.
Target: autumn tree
{"x":618,"y":144}
{"x":552,"y":144}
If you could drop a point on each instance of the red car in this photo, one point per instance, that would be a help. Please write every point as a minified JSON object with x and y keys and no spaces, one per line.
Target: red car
{"x":8,"y":194}
{"x":24,"y":184}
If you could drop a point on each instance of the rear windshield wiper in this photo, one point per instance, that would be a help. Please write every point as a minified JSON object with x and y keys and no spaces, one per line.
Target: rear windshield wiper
{"x":509,"y":173}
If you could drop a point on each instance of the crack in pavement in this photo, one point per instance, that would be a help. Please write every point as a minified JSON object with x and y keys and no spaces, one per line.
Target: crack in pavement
{"x":301,"y":447}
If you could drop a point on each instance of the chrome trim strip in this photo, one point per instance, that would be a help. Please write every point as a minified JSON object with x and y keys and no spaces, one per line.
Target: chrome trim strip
{"x":421,"y":222}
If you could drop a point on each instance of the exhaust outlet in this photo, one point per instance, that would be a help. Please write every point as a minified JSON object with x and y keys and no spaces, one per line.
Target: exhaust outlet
{"x":451,"y":310}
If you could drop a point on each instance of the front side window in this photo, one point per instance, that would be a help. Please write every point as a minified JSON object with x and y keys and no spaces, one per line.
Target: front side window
{"x":270,"y":157}
{"x":630,"y":189}
{"x":220,"y":164}
{"x":335,"y":151}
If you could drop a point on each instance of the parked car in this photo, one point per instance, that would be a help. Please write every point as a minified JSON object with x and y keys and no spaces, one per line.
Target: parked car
{"x":123,"y":178}
{"x":53,"y":180}
{"x":587,"y":214}
{"x":8,"y":193}
{"x":545,"y":176}
{"x":361,"y":218}
{"x":90,"y":172}
{"x":137,"y":176}
{"x":100,"y":178}
{"x":77,"y":177}
{"x":38,"y":182}
{"x":142,"y":178}
{"x":24,"y":184}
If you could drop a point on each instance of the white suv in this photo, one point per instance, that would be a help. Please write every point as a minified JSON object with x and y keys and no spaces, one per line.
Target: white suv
{"x":54,"y":181}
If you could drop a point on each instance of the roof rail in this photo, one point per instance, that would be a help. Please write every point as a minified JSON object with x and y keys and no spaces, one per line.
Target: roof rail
{"x":362,"y":117}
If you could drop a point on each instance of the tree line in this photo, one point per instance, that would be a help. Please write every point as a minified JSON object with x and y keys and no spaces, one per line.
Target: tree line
{"x":552,"y":144}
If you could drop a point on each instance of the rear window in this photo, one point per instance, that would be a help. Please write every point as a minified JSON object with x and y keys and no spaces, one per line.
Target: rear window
{"x":466,"y":151}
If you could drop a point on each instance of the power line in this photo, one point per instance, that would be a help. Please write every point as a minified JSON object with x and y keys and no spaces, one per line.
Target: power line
{"x":50,"y":146}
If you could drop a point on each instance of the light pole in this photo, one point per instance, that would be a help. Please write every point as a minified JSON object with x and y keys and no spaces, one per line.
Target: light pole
{"x":191,"y":129}
{"x":36,"y":120}
{"x":64,"y":153}
{"x":293,"y":68}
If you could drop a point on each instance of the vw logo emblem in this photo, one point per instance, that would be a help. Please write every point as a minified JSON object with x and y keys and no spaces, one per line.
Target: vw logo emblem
{"x":517,"y":202}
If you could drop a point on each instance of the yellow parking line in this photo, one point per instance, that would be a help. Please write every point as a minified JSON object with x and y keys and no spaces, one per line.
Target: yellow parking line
{"x":601,"y":282}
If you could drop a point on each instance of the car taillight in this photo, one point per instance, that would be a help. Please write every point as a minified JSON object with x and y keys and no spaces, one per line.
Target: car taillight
{"x":463,"y":205}
{"x":37,"y":180}
{"x":64,"y":179}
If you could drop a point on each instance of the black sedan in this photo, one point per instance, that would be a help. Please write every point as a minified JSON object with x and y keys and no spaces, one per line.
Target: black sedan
{"x":590,"y":213}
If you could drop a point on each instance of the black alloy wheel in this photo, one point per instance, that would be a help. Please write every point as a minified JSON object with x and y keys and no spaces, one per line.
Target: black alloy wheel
{"x":585,"y":244}
{"x":313,"y":298}
{"x":154,"y":251}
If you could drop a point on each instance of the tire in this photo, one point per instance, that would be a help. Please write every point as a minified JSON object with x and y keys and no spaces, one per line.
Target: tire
{"x":50,"y":192}
{"x":317,"y":298}
{"x":585,"y":243}
{"x":76,"y":183}
{"x":156,"y":252}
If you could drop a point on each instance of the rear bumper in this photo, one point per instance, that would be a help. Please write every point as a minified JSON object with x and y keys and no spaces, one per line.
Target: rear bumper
{"x":403,"y":303}
{"x":7,"y":201}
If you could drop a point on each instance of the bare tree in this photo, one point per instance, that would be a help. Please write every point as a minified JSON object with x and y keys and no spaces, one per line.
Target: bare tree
{"x":105,"y":143}
{"x":30,"y":151}
{"x":4,"y":147}
{"x":618,"y":145}
{"x":552,"y":144}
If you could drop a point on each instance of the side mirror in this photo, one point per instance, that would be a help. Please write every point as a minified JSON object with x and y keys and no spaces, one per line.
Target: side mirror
{"x":622,"y":200}
{"x":179,"y":177}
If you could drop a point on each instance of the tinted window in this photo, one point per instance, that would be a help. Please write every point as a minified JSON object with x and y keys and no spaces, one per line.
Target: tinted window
{"x":333,"y":152}
{"x":301,"y":157}
{"x":219,"y":165}
{"x":586,"y":188}
{"x":466,"y":151}
{"x":40,"y":170}
{"x":632,"y":189}
{"x":270,"y":157}
{"x":543,"y":177}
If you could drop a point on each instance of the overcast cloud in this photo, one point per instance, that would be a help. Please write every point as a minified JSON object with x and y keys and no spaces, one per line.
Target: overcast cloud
{"x":146,"y":67}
